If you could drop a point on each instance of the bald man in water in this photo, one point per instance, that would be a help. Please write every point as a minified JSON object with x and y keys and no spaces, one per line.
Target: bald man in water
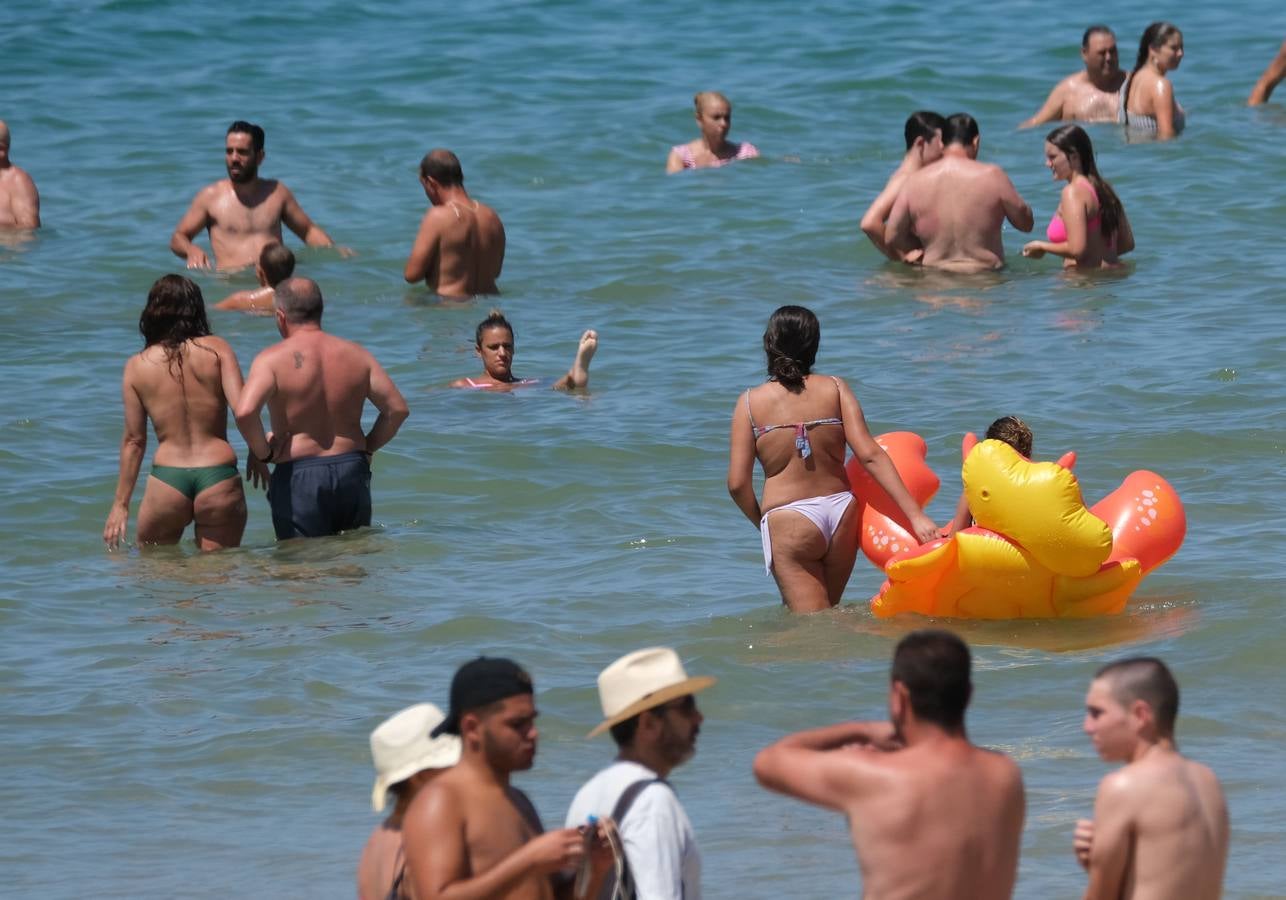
{"x":931,"y":815}
{"x":243,"y":212}
{"x":1091,"y":94}
{"x":460,"y":246}
{"x":19,"y":200}
{"x":955,"y":208}
{"x":1160,"y":827}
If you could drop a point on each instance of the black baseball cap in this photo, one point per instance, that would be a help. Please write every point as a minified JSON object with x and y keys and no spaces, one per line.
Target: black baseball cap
{"x":479,"y":683}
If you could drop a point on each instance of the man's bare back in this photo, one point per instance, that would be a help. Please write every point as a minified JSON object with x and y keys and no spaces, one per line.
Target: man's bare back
{"x":459,"y":250}
{"x":1160,"y":831}
{"x":955,"y":209}
{"x":19,"y":200}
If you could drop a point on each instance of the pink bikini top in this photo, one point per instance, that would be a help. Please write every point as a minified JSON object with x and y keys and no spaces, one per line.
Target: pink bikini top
{"x":745,"y":150}
{"x":1057,"y":231}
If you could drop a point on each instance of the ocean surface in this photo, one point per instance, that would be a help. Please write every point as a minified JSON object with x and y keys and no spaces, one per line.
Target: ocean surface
{"x":196,"y":726}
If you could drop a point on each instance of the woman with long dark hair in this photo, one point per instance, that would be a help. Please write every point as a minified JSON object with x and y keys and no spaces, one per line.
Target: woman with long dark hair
{"x":1090,"y":229}
{"x":1147,"y":100}
{"x":798,"y":424}
{"x":183,"y":380}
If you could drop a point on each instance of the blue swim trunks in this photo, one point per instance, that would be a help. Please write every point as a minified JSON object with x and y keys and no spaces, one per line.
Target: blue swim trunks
{"x":320,"y":495}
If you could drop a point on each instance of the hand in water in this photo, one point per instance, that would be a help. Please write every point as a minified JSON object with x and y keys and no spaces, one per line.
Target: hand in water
{"x":197,"y":259}
{"x":114,"y":530}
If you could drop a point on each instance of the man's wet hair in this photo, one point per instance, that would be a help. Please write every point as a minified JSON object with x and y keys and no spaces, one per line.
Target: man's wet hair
{"x":961,"y":128}
{"x":277,"y":262}
{"x":255,"y":132}
{"x":300,"y":299}
{"x":1014,"y":432}
{"x":1097,"y":28}
{"x":922,"y":124}
{"x":1148,"y":679}
{"x":934,"y":666}
{"x":442,"y":166}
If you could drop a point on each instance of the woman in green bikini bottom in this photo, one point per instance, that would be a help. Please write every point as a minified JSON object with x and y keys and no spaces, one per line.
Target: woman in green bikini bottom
{"x":183,"y":381}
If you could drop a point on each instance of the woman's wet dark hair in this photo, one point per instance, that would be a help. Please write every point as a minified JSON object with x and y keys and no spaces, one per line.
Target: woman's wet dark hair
{"x":494,"y":319}
{"x":790,"y":343}
{"x":1154,"y":35}
{"x":1073,"y":139}
{"x":174,"y":314}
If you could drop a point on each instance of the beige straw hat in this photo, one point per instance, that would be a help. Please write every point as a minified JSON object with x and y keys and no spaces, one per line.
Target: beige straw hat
{"x":401,"y":746}
{"x":641,"y":680}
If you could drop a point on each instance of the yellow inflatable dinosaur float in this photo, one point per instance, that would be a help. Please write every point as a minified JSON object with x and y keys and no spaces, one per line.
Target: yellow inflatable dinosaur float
{"x":1035,"y":551}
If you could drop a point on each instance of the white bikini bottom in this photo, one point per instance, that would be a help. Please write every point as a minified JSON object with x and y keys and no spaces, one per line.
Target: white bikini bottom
{"x":824,"y":512}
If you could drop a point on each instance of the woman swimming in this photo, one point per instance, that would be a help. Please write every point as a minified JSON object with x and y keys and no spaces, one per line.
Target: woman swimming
{"x":183,"y":381}
{"x":494,"y":344}
{"x":1147,"y":100}
{"x":714,"y":117}
{"x":808,"y":420}
{"x":1090,"y":229}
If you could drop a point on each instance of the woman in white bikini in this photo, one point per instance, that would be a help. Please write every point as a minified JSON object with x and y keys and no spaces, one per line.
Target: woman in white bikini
{"x":809,"y":421}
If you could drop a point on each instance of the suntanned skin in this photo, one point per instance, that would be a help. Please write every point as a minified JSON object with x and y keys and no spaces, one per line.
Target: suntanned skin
{"x":19,"y":199}
{"x":929,"y":812}
{"x":921,"y":154}
{"x":1160,"y":827}
{"x":1151,"y":93}
{"x":242,"y":213}
{"x":380,"y":860}
{"x":497,"y":352}
{"x":460,"y":247}
{"x":470,"y":835}
{"x":1085,"y":248}
{"x":1272,"y":76}
{"x":810,"y":573}
{"x":955,"y":209}
{"x":1089,"y":95}
{"x":190,"y":418}
{"x":315,"y":385}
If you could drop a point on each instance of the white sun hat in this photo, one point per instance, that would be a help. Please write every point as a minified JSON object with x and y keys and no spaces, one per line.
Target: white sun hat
{"x":401,"y":746}
{"x":642,"y":680}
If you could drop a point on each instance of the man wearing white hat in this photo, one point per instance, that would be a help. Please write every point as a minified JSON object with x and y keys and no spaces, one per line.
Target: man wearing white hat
{"x":406,"y":759}
{"x":650,"y":708}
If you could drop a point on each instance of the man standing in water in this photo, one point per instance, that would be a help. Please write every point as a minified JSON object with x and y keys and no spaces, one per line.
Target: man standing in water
{"x":460,"y":246}
{"x":956,"y":207}
{"x":1091,"y":95}
{"x":315,"y":385}
{"x":19,"y":200}
{"x":929,"y":812}
{"x":1160,"y":825}
{"x":923,"y":133}
{"x":469,"y":834}
{"x":243,"y":211}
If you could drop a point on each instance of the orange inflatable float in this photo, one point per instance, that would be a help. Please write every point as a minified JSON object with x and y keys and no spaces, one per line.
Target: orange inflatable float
{"x":1035,"y":551}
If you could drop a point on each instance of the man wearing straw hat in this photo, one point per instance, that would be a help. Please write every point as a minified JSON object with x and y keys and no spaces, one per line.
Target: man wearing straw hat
{"x":406,"y":758}
{"x":649,"y":705}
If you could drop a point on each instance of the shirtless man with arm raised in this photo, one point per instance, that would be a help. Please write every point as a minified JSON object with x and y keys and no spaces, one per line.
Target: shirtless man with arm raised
{"x":243,"y":211}
{"x":470,"y":835}
{"x":1160,"y":827}
{"x":19,"y":199}
{"x":955,"y":208}
{"x":1089,"y":95}
{"x":315,"y":386}
{"x":460,"y":246}
{"x":931,"y":815}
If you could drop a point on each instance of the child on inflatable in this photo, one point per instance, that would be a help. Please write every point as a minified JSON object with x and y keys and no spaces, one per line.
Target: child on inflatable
{"x":1014,"y":432}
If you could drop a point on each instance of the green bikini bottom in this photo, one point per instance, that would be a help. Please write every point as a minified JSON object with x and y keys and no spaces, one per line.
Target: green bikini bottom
{"x":193,"y":481}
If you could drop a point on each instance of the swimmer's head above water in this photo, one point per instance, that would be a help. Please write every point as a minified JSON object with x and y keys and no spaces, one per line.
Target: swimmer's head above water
{"x":1014,"y":432}
{"x":790,"y":343}
{"x":1098,"y":49}
{"x":925,"y":129}
{"x":930,"y":680}
{"x":440,"y":171}
{"x":1131,"y":699}
{"x":276,"y":264}
{"x":962,"y":130}
{"x":243,"y":151}
{"x":1161,"y":43}
{"x":494,"y":344}
{"x":714,"y":116}
{"x":297,"y":301}
{"x":174,"y":313}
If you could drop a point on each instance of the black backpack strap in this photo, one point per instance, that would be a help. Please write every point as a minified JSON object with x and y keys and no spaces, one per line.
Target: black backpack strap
{"x":626,"y":887}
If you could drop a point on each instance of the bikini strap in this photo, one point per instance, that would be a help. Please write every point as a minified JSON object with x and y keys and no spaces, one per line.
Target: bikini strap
{"x":754,"y":429}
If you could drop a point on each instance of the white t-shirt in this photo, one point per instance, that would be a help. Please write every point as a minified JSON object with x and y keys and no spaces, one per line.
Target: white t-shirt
{"x":659,"y":841}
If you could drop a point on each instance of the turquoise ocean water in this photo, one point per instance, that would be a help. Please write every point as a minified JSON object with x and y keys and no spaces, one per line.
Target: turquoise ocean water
{"x":196,"y":726}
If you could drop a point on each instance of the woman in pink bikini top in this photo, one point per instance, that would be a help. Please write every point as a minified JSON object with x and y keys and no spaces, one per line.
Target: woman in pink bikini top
{"x":712,"y":149}
{"x":799,"y":426}
{"x":1090,"y":230}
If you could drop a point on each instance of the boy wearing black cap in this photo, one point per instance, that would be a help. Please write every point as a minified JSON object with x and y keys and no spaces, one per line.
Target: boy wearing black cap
{"x":469,"y":834}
